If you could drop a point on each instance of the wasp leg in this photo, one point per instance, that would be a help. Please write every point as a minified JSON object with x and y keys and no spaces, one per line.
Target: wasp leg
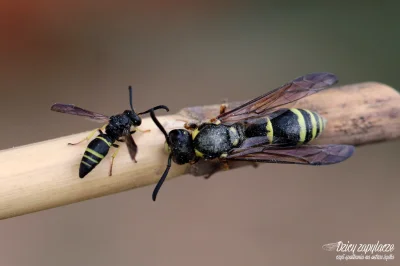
{"x":190,"y":126}
{"x":222,"y":108}
{"x":90,"y":135}
{"x":213,"y":171}
{"x":225,"y":166}
{"x":140,"y":130}
{"x":112,"y":158}
{"x":222,"y":166}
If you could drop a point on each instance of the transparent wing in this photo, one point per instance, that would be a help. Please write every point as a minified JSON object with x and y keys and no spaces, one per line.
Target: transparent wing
{"x":265,"y":104}
{"x":306,"y":154}
{"x":75,"y":110}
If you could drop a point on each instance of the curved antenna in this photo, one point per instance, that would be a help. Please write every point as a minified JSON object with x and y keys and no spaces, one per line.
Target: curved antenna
{"x":130,"y":97}
{"x":158,"y":124}
{"x":162,"y":179}
{"x":155,"y":108}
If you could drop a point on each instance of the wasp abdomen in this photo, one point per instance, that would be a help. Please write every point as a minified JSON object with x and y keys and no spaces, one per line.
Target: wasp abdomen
{"x":297,"y":126}
{"x":291,"y":127}
{"x":260,"y":127}
{"x":94,"y":153}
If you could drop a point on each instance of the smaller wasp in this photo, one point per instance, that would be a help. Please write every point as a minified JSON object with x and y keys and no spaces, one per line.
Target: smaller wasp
{"x":260,"y":130}
{"x":118,"y":128}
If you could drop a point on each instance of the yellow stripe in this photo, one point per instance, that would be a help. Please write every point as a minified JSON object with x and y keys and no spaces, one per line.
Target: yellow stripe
{"x":270,"y":130}
{"x":234,"y":136}
{"x":321,"y":124}
{"x":198,"y":154}
{"x":90,"y":158}
{"x":103,"y":139}
{"x":233,"y":130}
{"x":302,"y":124}
{"x":94,"y":153}
{"x":313,"y":124}
{"x":195,"y":132}
{"x":85,"y":163}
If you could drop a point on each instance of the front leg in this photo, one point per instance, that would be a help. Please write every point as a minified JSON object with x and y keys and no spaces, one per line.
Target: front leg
{"x":188,"y":125}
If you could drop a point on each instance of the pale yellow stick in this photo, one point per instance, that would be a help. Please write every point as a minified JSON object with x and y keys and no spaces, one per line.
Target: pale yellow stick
{"x":45,"y":175}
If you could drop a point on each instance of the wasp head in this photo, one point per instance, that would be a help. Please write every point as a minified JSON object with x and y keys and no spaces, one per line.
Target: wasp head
{"x":133,"y":117}
{"x":180,"y":146}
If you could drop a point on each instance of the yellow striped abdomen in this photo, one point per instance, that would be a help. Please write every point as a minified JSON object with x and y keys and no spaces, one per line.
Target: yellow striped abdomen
{"x":287,"y":127}
{"x":297,"y":126}
{"x":94,"y":153}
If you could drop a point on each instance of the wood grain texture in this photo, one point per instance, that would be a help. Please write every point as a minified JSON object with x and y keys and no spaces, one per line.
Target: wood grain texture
{"x":45,"y":175}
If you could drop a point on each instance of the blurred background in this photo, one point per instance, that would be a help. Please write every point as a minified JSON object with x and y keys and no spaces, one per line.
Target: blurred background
{"x":183,"y":53}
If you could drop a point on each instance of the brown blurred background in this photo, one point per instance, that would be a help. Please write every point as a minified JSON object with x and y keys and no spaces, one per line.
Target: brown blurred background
{"x":183,"y":53}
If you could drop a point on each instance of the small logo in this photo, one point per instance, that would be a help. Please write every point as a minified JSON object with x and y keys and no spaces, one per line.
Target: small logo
{"x":349,"y":251}
{"x":330,"y":246}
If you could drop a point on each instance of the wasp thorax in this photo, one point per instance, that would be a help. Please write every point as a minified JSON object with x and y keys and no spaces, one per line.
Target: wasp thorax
{"x":181,"y":146}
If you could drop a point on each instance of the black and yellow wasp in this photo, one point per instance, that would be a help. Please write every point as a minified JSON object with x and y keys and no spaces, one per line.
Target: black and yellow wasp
{"x":259,"y":131}
{"x":119,"y":127}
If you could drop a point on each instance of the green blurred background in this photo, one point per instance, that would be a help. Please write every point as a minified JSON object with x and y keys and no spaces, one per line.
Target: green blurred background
{"x":183,"y":53}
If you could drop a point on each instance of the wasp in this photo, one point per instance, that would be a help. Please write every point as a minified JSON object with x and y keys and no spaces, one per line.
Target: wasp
{"x":118,"y":127}
{"x":260,"y":130}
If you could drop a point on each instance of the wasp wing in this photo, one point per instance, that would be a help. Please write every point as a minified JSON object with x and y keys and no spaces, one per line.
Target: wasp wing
{"x":132,"y":147}
{"x":306,"y":154}
{"x":265,"y":104}
{"x":75,"y":110}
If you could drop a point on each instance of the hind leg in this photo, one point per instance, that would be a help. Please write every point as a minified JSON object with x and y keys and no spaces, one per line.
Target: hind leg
{"x":222,"y":166}
{"x":113,"y":157}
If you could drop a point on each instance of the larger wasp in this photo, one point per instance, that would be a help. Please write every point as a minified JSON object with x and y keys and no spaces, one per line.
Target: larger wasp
{"x":259,"y":131}
{"x":119,"y":128}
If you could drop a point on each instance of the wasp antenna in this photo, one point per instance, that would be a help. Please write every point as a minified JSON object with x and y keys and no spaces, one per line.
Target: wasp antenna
{"x":158,"y":124}
{"x":155,"y":108}
{"x":161,"y":107}
{"x":130,"y":97}
{"x":162,"y":179}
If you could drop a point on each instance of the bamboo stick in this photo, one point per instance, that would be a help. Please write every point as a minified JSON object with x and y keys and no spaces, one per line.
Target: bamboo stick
{"x":44,"y":175}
